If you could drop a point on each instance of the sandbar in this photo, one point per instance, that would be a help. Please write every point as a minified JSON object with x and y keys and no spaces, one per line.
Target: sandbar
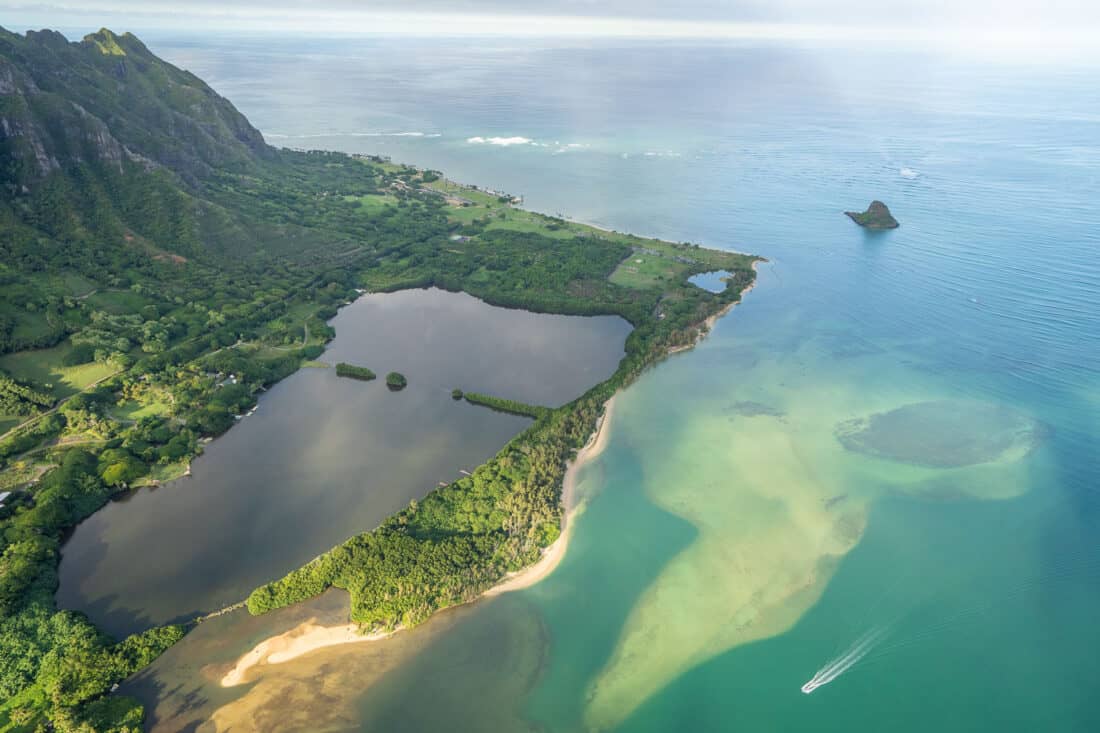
{"x":302,"y":639}
{"x":310,"y":636}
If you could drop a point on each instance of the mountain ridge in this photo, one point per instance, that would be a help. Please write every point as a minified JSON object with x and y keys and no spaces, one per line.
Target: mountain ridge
{"x":107,"y":97}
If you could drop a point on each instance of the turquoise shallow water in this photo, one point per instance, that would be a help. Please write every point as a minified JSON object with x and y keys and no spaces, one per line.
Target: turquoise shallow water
{"x":732,"y":546}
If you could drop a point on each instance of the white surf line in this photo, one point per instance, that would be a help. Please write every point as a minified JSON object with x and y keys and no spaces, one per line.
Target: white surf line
{"x":844,"y":662}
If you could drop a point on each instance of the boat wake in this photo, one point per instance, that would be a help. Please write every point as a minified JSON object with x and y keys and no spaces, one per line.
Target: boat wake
{"x":842,"y":663}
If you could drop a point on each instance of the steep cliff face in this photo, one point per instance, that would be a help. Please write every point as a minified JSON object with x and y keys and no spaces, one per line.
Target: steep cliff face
{"x":41,"y":132}
{"x":23,"y":143}
{"x":106,"y":148}
{"x":108,"y":99}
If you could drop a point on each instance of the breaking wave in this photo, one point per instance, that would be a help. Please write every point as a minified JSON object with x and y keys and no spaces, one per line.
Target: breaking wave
{"x":504,"y":141}
{"x":313,"y":135}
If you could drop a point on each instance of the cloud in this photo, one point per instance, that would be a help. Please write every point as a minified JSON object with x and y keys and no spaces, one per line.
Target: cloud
{"x":653,"y":18}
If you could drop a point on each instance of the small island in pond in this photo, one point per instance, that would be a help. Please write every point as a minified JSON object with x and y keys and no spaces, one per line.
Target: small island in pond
{"x":877,"y":216}
{"x":396,"y":381}
{"x":352,"y":371}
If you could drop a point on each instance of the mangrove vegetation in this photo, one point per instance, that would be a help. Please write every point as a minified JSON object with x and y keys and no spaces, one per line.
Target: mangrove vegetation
{"x":502,"y":405}
{"x":354,"y":372}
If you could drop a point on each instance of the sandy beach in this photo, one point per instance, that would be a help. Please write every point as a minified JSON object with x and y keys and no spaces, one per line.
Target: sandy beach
{"x":310,"y":636}
{"x":553,"y":554}
{"x":300,"y":640}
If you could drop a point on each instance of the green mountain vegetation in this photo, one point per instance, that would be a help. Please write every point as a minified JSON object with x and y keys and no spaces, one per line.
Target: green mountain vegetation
{"x":161,"y":264}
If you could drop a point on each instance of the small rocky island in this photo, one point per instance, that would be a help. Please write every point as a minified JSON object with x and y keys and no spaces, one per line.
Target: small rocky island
{"x":877,"y":216}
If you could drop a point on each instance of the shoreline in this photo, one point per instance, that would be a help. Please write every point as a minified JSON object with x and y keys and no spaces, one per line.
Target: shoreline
{"x":609,"y":230}
{"x":309,"y":636}
{"x":571,"y":509}
{"x":711,"y":320}
{"x":299,"y":641}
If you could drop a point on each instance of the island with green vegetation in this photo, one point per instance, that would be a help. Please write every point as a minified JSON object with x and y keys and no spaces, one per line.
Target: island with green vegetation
{"x":504,"y":405}
{"x":162,"y":265}
{"x":396,"y":381}
{"x":877,"y":216}
{"x":343,"y":369}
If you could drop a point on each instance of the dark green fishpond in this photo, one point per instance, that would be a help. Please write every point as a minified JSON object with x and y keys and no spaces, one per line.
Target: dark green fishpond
{"x":323,"y":458}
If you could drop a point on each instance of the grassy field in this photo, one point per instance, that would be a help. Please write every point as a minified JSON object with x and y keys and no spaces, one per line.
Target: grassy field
{"x":30,"y":325}
{"x":118,"y":302}
{"x":643,"y":270}
{"x":374,"y":203}
{"x":44,"y":367}
{"x":72,"y":284}
{"x":133,"y":411}
{"x":163,"y":472}
{"x":475,"y":196}
{"x":653,"y":263}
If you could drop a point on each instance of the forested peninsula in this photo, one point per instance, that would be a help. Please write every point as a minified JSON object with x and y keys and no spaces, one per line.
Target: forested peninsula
{"x":161,"y":264}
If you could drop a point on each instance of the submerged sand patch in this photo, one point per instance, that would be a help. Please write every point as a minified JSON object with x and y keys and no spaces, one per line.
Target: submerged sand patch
{"x":777,"y":503}
{"x":766,"y":547}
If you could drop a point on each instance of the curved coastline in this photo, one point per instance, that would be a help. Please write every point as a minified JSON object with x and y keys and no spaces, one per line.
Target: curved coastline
{"x":299,"y":641}
{"x":711,"y":320}
{"x":571,"y":509}
{"x":309,"y":636}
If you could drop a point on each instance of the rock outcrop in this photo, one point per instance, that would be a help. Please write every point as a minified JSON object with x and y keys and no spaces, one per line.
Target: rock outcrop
{"x":877,"y":216}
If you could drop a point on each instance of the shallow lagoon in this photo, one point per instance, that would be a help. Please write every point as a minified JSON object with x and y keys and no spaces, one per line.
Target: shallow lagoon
{"x":324,"y":457}
{"x":714,"y":281}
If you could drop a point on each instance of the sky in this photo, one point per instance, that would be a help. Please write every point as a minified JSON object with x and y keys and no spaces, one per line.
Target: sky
{"x":650,"y":18}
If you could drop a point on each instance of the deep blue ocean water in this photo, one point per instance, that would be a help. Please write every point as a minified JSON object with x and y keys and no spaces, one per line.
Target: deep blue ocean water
{"x":978,"y":584}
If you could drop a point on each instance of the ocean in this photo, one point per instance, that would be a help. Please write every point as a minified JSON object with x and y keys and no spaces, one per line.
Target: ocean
{"x":869,"y":499}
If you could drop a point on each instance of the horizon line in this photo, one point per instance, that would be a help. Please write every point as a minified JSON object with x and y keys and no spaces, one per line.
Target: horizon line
{"x":367,"y":23}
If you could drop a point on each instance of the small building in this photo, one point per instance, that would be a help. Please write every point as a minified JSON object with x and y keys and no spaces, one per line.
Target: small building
{"x":4,"y":495}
